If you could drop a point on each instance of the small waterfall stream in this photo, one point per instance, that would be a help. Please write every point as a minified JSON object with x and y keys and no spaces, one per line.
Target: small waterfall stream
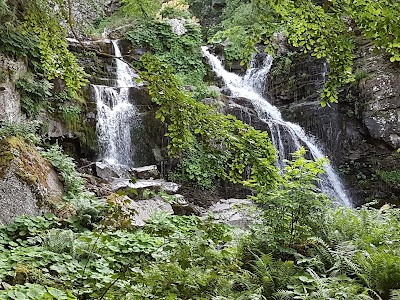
{"x":116,"y":115}
{"x":250,"y":87}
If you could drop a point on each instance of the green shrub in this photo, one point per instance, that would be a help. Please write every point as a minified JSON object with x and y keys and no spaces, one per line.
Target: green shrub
{"x":200,"y":168}
{"x":35,"y":94}
{"x":20,"y":45}
{"x":390,"y":177}
{"x":24,"y":130}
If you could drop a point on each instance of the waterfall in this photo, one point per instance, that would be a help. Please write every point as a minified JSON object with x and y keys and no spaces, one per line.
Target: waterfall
{"x":116,"y":115}
{"x":250,"y":87}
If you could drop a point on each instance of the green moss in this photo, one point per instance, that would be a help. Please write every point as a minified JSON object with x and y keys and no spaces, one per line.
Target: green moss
{"x":31,"y":168}
{"x":8,"y":149}
{"x":88,"y":137}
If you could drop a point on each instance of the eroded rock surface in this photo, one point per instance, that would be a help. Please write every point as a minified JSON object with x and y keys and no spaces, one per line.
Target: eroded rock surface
{"x":11,"y":71}
{"x":381,"y":93}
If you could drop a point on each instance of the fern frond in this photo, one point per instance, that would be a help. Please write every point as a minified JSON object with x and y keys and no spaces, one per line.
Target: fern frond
{"x":395,"y":295}
{"x":283,"y":295}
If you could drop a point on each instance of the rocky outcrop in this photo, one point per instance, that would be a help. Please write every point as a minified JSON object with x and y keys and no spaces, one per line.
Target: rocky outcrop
{"x":85,"y":13}
{"x":10,"y":71}
{"x":28,"y":183}
{"x":128,"y":212}
{"x":139,"y":186}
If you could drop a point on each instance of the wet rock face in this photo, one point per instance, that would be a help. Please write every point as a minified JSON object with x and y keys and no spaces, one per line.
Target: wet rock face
{"x":28,"y":183}
{"x":10,"y":71}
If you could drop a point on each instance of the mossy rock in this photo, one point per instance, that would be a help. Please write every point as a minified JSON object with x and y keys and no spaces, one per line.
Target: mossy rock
{"x":28,"y":183}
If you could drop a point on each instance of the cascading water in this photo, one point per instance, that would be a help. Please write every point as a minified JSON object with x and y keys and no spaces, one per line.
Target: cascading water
{"x":250,"y":87}
{"x":116,"y":116}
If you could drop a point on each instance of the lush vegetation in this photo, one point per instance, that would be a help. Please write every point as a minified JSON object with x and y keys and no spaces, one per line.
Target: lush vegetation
{"x":35,"y":32}
{"x":325,"y":29}
{"x":301,"y":246}
{"x":34,"y":29}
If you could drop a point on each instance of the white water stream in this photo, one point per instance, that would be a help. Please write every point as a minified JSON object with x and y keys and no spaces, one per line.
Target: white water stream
{"x":116,"y":116}
{"x":250,"y":87}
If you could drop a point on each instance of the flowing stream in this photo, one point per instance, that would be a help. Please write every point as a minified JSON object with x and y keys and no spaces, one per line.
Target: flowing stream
{"x":116,"y":116}
{"x":250,"y":87}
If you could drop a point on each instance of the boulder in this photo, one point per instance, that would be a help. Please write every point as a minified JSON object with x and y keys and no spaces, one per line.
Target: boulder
{"x":128,"y":212}
{"x":141,"y":185}
{"x":237,"y":212}
{"x":28,"y":183}
{"x":146,"y":208}
{"x":182,"y":207}
{"x":110,"y":171}
{"x":146,"y":172}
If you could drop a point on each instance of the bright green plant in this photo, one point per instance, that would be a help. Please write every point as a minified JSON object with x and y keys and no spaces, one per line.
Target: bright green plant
{"x":44,"y":21}
{"x":181,"y":52}
{"x":36,"y":292}
{"x":390,"y":177}
{"x":293,"y":211}
{"x":19,"y":45}
{"x":34,"y":94}
{"x":71,"y":114}
{"x":200,"y":168}
{"x":141,"y":8}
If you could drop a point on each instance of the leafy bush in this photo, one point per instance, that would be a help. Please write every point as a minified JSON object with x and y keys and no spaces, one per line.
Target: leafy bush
{"x":20,"y":45}
{"x":295,"y":210}
{"x":200,"y":168}
{"x":178,"y":257}
{"x":34,"y":94}
{"x":390,"y":177}
{"x":24,"y":130}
